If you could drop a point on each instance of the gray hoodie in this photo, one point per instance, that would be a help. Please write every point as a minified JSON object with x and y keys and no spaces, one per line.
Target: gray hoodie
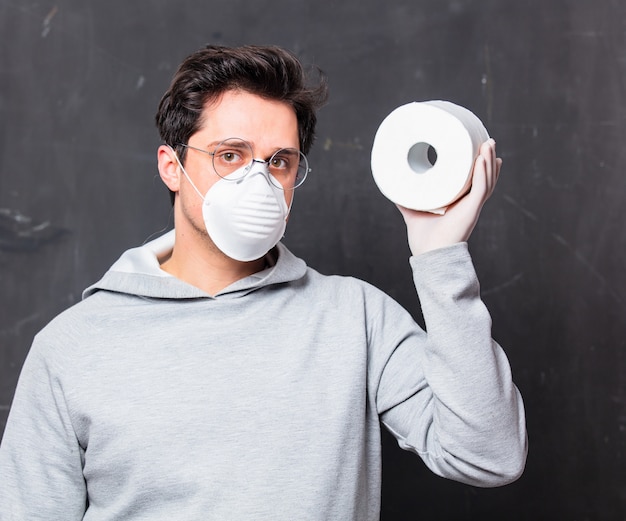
{"x":151,"y":400}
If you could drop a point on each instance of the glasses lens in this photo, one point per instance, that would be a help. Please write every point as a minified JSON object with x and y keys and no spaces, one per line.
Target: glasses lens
{"x":230,"y":156}
{"x":289,"y":168}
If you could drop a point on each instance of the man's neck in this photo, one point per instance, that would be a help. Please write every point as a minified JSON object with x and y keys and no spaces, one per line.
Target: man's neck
{"x":197,"y":261}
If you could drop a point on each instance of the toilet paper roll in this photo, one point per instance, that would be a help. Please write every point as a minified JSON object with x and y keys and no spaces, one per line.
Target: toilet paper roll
{"x":424,"y":152}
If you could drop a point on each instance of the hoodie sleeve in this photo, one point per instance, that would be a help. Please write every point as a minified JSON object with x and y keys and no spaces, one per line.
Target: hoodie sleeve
{"x":448,"y":395}
{"x":40,"y":458}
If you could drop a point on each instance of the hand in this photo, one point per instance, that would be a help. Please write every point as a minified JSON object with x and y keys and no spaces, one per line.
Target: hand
{"x":428,"y":231}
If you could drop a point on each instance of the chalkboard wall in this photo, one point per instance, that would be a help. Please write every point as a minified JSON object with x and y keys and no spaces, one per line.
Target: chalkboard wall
{"x":79,"y":85}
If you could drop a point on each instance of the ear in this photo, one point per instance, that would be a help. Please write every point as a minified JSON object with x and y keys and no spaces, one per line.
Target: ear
{"x":169,"y":169}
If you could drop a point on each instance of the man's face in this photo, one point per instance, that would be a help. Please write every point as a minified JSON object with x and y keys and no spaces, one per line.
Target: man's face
{"x":267,"y":125}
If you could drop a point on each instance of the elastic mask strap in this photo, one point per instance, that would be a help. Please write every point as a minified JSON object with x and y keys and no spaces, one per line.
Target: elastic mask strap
{"x":186,"y":174}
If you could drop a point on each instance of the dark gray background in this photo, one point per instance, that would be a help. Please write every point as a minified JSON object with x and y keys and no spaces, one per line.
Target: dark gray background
{"x":79,"y":84}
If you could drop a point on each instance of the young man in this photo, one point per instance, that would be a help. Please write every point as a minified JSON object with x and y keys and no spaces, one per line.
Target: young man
{"x":211,"y":374}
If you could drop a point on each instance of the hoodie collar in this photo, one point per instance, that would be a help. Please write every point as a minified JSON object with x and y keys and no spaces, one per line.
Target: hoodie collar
{"x":138,"y":272}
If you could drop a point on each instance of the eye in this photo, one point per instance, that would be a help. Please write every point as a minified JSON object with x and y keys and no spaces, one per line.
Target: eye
{"x":285,"y":161}
{"x":280,"y":163}
{"x":229,"y":156}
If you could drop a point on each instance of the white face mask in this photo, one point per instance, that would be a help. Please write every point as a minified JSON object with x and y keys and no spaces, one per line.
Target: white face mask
{"x":244,"y":218}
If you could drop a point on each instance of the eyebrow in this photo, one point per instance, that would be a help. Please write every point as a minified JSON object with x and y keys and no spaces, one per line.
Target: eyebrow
{"x":212,"y":145}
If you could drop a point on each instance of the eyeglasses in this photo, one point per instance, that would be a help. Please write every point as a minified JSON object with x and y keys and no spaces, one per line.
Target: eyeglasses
{"x":233,"y":159}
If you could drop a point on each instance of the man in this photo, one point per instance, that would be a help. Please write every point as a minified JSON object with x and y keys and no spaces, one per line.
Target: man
{"x":211,"y":374}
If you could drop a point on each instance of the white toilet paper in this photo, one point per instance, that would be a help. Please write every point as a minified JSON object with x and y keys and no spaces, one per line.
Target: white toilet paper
{"x":424,"y":152}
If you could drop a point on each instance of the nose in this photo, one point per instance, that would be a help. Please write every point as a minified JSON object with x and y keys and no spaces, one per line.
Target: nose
{"x":260,"y":161}
{"x":257,"y":166}
{"x":265,"y":168}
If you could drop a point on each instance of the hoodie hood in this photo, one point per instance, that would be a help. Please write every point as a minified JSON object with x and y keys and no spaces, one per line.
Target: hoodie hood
{"x":138,"y":272}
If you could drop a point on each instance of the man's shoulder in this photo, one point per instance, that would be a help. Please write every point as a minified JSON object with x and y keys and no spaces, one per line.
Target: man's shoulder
{"x":80,"y":320}
{"x":346,"y":288}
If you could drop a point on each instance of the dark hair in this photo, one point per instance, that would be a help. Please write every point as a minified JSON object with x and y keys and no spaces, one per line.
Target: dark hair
{"x":267,"y":71}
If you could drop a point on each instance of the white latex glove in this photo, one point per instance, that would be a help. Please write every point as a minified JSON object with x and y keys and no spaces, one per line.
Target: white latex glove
{"x":428,"y":231}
